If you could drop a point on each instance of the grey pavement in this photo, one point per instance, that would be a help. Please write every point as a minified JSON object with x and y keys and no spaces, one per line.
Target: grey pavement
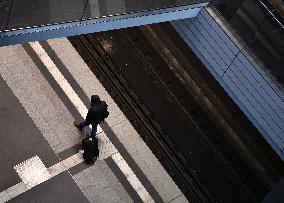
{"x":38,"y":120}
{"x":95,"y":186}
{"x":62,"y":188}
{"x":20,"y":138}
{"x":124,"y":131}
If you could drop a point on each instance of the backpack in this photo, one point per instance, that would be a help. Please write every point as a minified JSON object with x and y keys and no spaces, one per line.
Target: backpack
{"x":91,"y":149}
{"x":106,"y":113}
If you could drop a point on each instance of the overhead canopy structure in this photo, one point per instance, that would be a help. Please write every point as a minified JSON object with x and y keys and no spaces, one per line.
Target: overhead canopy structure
{"x":29,"y":20}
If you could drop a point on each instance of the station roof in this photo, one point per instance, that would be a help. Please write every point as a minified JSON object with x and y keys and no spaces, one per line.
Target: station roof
{"x":31,"y":13}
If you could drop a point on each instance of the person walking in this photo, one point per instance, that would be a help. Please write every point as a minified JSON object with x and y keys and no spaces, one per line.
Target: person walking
{"x":96,"y":114}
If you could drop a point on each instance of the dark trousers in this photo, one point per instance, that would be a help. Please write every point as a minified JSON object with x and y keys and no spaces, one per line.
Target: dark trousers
{"x":94,"y":128}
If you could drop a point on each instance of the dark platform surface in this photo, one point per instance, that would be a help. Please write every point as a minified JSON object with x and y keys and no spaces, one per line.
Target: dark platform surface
{"x":20,"y":138}
{"x":61,"y":188}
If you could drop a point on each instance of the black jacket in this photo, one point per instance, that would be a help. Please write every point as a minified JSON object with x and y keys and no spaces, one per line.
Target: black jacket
{"x":97,"y":111}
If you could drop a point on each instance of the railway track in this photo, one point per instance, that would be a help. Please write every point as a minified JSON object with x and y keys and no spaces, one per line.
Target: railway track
{"x":151,"y":133}
{"x":118,"y":58}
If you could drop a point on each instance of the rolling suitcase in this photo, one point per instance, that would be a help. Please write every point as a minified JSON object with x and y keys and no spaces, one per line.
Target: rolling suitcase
{"x":91,"y":149}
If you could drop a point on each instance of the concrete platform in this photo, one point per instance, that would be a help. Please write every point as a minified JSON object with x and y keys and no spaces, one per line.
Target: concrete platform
{"x":44,"y":86}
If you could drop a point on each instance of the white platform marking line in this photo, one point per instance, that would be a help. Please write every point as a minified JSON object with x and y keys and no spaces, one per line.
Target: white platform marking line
{"x":131,"y":177}
{"x":63,"y":83}
{"x":32,"y":171}
{"x":52,"y":171}
{"x":13,"y":191}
